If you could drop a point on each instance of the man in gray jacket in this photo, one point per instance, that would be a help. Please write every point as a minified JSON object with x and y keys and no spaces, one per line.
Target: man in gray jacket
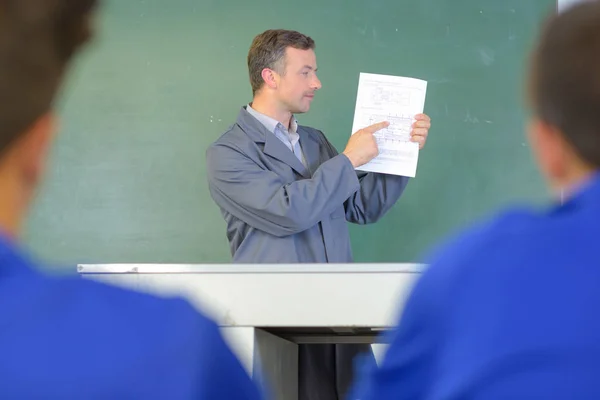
{"x":285,"y":192}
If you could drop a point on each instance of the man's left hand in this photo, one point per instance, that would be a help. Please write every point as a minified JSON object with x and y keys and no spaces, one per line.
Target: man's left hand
{"x":420,"y":129}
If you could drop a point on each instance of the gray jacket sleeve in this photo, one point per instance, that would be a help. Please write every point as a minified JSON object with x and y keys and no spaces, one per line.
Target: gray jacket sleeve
{"x":377,"y":194}
{"x":263,"y":200}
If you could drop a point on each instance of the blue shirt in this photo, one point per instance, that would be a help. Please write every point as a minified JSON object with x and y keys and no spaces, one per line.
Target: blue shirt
{"x":509,"y":310}
{"x":71,"y":338}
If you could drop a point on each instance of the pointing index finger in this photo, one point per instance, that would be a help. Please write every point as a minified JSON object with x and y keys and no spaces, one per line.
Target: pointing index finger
{"x":378,"y":126}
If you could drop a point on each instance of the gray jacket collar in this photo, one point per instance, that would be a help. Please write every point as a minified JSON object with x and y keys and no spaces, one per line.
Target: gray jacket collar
{"x":273,"y":147}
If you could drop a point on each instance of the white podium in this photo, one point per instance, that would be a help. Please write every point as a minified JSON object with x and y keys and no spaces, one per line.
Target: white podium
{"x":266,"y":310}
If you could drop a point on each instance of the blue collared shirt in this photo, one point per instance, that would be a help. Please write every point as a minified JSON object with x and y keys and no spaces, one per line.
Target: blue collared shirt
{"x":290,"y":137}
{"x":508,"y":310}
{"x":71,"y":338}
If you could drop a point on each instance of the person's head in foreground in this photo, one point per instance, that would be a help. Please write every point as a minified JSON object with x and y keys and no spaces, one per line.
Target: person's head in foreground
{"x":508,"y":310}
{"x":38,"y":39}
{"x":70,"y":338}
{"x":564,"y":94}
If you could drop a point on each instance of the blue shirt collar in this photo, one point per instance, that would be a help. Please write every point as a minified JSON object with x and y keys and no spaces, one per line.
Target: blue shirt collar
{"x":12,"y":259}
{"x":585,"y":192}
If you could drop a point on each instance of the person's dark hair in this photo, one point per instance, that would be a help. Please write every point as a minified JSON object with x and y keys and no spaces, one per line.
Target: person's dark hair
{"x":268,"y":51}
{"x":564,"y":83}
{"x":37,"y":40}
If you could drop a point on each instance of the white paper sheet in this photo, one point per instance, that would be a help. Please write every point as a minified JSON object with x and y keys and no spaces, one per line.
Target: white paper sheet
{"x":397,"y":100}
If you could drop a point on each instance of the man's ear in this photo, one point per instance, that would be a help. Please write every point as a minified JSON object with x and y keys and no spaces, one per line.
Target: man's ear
{"x":550,"y":150}
{"x":34,"y":147}
{"x":270,"y":77}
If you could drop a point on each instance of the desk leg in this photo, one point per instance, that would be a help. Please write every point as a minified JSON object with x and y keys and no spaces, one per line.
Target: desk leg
{"x":270,"y":360}
{"x":278,"y":360}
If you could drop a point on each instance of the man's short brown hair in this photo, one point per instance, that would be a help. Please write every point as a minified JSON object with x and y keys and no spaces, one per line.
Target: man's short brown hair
{"x":268,"y":51}
{"x":37,"y":40}
{"x":565,"y":78}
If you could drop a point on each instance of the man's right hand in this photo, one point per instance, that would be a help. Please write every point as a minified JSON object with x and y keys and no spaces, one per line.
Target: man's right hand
{"x":362,"y":146}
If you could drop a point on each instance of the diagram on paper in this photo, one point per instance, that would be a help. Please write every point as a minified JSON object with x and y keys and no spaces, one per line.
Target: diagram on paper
{"x":380,"y":96}
{"x":396,"y":100}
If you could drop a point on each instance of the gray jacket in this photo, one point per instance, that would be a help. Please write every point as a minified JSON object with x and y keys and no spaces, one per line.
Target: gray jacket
{"x":278,"y":211}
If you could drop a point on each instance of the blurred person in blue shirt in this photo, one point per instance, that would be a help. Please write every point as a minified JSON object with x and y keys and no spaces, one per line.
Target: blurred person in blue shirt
{"x":68,"y":338}
{"x":508,"y":310}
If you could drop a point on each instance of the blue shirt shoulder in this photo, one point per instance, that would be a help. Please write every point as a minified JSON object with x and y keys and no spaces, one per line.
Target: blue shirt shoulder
{"x":505,"y":310}
{"x":408,"y":370}
{"x":76,"y":338}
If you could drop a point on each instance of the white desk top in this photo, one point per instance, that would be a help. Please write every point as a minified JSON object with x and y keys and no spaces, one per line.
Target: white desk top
{"x":265,"y":295}
{"x":247,"y":268}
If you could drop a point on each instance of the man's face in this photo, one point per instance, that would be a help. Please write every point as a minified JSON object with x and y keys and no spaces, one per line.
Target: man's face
{"x":296,"y":87}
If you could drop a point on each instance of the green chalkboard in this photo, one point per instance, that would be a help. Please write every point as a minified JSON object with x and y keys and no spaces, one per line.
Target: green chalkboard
{"x":164,"y":78}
